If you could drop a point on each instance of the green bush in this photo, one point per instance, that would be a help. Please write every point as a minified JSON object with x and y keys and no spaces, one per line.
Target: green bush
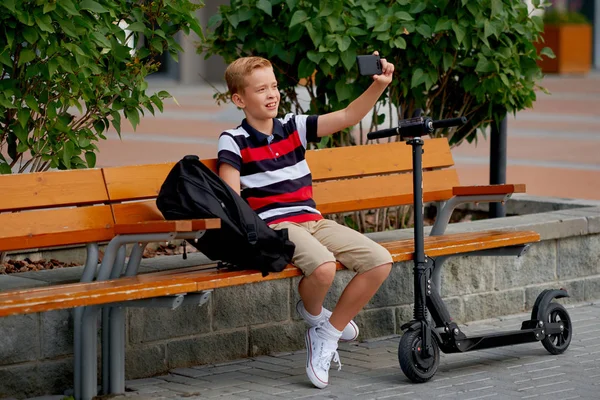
{"x":452,"y":57}
{"x":68,"y":73}
{"x":557,"y":17}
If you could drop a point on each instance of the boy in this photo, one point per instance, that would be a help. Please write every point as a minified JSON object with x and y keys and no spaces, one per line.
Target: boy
{"x":263,"y":159}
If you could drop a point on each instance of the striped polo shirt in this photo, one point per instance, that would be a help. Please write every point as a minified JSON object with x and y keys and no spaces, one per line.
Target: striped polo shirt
{"x":274,"y":175}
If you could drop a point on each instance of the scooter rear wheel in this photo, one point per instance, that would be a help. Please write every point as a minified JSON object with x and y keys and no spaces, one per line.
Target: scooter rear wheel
{"x":415,"y":367}
{"x":559,"y":342}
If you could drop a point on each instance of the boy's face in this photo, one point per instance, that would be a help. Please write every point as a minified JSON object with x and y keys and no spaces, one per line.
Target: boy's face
{"x":260,"y":97}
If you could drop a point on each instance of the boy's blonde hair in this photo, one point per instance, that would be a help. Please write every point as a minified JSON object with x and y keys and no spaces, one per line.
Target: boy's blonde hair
{"x":237,"y":71}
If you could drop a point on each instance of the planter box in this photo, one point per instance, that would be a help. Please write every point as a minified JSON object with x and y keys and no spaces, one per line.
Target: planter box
{"x":572,"y":44}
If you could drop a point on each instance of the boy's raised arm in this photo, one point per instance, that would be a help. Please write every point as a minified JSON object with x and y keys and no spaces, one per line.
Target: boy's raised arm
{"x":359,"y":108}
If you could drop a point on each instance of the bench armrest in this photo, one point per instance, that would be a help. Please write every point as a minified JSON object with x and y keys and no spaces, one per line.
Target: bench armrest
{"x":167,"y":226}
{"x":488,"y":190}
{"x":468,"y":194}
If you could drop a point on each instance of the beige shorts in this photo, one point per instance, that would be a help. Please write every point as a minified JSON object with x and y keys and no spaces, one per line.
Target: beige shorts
{"x":322,"y":241}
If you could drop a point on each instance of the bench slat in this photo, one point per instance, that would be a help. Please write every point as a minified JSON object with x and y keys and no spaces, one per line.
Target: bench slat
{"x":58,"y":227}
{"x":375,"y":159}
{"x":137,"y":182}
{"x":381,"y":191}
{"x":52,"y":189}
{"x":195,"y":279}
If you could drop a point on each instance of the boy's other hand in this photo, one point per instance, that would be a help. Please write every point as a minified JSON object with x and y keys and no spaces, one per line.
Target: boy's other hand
{"x":387,"y":71}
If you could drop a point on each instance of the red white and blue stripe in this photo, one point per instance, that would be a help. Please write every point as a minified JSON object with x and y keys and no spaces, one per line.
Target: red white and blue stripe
{"x":275,"y":178}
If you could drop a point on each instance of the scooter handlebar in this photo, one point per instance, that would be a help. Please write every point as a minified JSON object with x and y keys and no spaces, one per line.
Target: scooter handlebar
{"x":416,"y":127}
{"x":447,"y":123}
{"x":384,"y":133}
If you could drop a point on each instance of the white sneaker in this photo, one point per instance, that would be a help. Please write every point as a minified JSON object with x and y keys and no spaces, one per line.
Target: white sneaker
{"x":349,"y":333}
{"x":319,"y":354}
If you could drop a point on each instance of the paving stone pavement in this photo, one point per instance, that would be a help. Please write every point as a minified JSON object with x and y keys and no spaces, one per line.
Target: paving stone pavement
{"x":370,"y":371}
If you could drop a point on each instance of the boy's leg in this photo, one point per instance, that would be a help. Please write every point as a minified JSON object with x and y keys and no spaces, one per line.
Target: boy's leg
{"x":314,"y":287}
{"x":357,"y":252}
{"x":316,"y":262}
{"x":357,"y":294}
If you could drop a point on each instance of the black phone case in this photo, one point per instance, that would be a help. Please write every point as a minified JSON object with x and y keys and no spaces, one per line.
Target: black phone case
{"x":369,"y":65}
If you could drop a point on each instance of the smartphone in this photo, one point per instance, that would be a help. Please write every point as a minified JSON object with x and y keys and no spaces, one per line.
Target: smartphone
{"x":369,"y":65}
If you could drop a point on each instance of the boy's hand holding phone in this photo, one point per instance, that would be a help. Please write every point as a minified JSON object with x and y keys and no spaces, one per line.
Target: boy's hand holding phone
{"x":381,"y":70}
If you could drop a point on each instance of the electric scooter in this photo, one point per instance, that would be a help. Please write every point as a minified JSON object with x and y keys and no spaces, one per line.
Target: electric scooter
{"x":419,"y":348}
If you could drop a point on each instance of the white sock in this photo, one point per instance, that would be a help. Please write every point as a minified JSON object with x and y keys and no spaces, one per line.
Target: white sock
{"x":313,"y":319}
{"x":328,"y":331}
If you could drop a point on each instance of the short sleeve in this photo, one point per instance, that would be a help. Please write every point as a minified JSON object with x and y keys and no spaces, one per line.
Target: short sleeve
{"x":229,"y":152}
{"x":307,"y":128}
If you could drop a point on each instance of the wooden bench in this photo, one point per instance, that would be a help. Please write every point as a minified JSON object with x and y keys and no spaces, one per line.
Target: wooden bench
{"x":345,"y":179}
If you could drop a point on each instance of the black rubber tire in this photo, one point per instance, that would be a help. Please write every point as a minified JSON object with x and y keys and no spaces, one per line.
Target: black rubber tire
{"x":558,"y":343}
{"x":409,"y":358}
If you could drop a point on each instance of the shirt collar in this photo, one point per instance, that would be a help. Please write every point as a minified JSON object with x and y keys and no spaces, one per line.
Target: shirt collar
{"x":261,"y":137}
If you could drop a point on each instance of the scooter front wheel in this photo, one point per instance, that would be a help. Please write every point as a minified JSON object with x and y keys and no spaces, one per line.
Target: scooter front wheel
{"x":559,"y":342}
{"x":417,"y":368}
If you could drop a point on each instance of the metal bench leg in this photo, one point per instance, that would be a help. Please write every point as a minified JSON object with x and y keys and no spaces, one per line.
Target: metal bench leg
{"x":88,"y":275}
{"x":106,"y":324}
{"x":116,"y":345}
{"x":89,"y":353}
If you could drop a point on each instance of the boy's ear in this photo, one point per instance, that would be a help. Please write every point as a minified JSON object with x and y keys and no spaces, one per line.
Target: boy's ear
{"x":237,"y":100}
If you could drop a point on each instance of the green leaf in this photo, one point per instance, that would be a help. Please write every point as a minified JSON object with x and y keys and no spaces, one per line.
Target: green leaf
{"x":93,"y":6}
{"x":4,"y":167}
{"x":485,"y":66}
{"x":298,"y":17}
{"x":417,"y":7}
{"x":68,"y":6}
{"x":399,"y":42}
{"x":448,"y":60}
{"x":547,"y":51}
{"x":49,"y":6}
{"x":349,"y":59}
{"x":417,"y":78}
{"x":32,"y":103}
{"x":52,"y":66}
{"x":68,"y":152}
{"x":10,"y":4}
{"x":314,"y":56}
{"x":90,"y":159}
{"x":137,"y":27}
{"x":133,"y":116}
{"x":101,"y":39}
{"x":214,"y":21}
{"x":44,"y":22}
{"x":496,"y":8}
{"x":342,"y":90}
{"x":403,"y":16}
{"x":30,"y":34}
{"x":425,"y":30}
{"x":344,"y":43}
{"x":265,"y":5}
{"x":459,"y":31}
{"x":332,"y":58}
{"x":26,"y":56}
{"x":306,"y":68}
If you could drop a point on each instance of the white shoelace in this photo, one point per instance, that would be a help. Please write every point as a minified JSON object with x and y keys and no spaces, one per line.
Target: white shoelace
{"x":327,"y":356}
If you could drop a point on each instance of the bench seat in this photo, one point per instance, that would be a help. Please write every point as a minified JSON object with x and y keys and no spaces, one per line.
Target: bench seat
{"x":195,"y":279}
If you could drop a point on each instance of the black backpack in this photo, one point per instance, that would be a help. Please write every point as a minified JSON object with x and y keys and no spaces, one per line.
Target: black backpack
{"x":193,"y":191}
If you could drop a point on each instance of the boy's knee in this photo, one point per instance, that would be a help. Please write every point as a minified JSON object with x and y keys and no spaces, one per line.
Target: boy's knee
{"x":324,"y":274}
{"x":381,"y":272}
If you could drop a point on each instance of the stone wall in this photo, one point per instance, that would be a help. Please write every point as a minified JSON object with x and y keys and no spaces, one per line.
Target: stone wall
{"x":36,"y":349}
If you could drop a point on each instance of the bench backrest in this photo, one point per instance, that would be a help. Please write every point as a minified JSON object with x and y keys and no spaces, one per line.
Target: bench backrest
{"x":345,"y":179}
{"x":53,"y":208}
{"x":72,"y":207}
